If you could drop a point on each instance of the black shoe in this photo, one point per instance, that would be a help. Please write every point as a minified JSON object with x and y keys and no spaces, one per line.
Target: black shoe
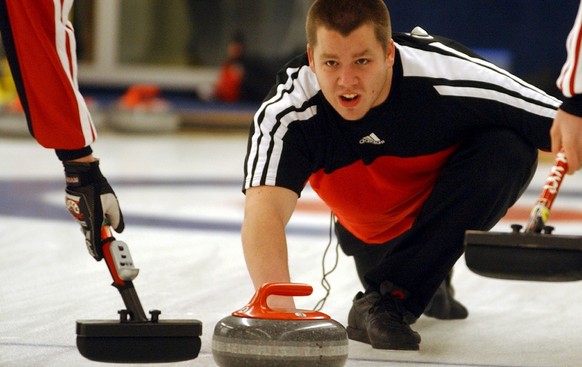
{"x":443,"y":305}
{"x":378,"y":320}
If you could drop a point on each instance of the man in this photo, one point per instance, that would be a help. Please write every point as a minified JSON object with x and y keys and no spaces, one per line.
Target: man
{"x":567,"y":128}
{"x":410,"y":140}
{"x":40,"y":46}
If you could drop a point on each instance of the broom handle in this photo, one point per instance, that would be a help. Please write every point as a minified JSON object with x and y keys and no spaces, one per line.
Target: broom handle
{"x":125,"y":287}
{"x":541,"y":211}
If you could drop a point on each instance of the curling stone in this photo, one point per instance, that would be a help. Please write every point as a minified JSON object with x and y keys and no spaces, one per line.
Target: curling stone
{"x":142,"y":110}
{"x":99,"y":114}
{"x":12,"y":120}
{"x":258,"y":336}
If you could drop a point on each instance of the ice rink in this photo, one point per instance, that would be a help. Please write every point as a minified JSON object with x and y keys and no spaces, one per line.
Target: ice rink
{"x":180,"y":194}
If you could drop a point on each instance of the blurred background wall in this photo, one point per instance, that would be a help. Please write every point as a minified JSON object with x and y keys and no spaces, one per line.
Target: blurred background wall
{"x":531,"y":32}
{"x":180,"y":43}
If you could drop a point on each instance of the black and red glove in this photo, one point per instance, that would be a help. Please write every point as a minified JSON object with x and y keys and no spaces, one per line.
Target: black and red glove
{"x":92,"y":202}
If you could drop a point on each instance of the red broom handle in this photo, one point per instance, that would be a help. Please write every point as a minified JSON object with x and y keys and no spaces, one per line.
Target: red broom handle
{"x":541,"y":211}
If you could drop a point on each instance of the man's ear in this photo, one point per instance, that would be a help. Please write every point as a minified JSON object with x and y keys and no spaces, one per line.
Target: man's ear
{"x":310,"y":58}
{"x":390,"y":53}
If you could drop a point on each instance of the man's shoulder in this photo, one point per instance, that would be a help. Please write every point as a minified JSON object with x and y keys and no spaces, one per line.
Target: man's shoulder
{"x":419,"y":38}
{"x":298,"y":61}
{"x":296,"y":83}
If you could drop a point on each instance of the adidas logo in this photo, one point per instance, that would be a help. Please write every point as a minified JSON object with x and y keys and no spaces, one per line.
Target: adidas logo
{"x":371,"y":139}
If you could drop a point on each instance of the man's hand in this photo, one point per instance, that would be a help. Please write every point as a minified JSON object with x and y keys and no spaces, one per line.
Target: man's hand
{"x":566,"y":133}
{"x":91,"y":200}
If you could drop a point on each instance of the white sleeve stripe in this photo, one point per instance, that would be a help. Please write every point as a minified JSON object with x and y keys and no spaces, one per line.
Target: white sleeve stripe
{"x":570,"y":79}
{"x":270,"y":127}
{"x":260,"y":141}
{"x":66,"y":47}
{"x":490,"y":66}
{"x":278,"y":140}
{"x":494,"y":95}
{"x":281,"y":89}
{"x":456,"y":68}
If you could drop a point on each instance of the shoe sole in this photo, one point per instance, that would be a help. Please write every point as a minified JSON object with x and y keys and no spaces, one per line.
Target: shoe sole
{"x":455,"y":311}
{"x":362,"y":336}
{"x":358,"y":335}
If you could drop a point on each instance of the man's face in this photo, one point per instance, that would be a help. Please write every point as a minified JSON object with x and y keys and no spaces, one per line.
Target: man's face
{"x":354,"y":72}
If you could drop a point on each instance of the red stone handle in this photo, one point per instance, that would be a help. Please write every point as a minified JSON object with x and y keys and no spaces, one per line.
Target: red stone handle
{"x":258,"y":308}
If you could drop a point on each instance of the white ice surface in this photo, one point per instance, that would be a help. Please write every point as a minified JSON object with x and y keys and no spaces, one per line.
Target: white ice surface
{"x":48,"y":280}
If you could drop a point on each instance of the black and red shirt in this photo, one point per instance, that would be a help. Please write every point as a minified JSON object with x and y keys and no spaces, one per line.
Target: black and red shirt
{"x":375,"y":173}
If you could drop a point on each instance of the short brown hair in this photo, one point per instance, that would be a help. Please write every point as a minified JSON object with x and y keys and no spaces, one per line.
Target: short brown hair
{"x":345,"y":16}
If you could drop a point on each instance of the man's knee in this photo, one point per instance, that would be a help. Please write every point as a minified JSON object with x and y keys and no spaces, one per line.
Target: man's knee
{"x":505,"y":159}
{"x":510,"y":148}
{"x":503,"y":164}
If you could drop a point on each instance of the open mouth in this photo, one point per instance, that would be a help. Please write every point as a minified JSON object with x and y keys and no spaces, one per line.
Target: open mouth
{"x":350,"y":99}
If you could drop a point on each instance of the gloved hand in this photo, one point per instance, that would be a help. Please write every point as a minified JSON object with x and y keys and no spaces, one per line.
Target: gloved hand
{"x":91,"y":201}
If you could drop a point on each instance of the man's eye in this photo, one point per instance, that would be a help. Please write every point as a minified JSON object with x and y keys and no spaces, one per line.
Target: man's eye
{"x":331,"y":63}
{"x":362,"y":61}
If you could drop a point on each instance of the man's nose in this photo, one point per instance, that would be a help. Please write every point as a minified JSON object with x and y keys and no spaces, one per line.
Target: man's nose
{"x":347,"y":77}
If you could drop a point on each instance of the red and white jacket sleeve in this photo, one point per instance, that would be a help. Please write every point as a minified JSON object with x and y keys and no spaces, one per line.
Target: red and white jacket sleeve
{"x":40,"y":46}
{"x":570,"y":79}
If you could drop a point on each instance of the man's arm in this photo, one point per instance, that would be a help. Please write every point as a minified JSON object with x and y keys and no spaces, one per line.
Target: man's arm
{"x":566,"y":130}
{"x":267,"y":212}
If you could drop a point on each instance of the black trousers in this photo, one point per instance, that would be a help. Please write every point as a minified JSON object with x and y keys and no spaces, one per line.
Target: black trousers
{"x":475,"y":188}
